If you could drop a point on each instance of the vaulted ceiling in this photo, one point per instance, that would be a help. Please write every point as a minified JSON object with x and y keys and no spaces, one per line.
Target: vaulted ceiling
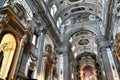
{"x":88,"y":19}
{"x":80,"y":22}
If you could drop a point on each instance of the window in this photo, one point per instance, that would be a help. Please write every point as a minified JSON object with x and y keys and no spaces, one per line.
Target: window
{"x":53,"y":10}
{"x":71,"y":39}
{"x":34,"y":40}
{"x":73,"y":48}
{"x":3,"y":3}
{"x":45,"y":1}
{"x":59,"y":21}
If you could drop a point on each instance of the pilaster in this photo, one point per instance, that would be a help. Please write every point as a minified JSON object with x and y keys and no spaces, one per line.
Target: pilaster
{"x":64,"y":50}
{"x":41,"y":32}
{"x":21,"y":69}
{"x":105,"y":64}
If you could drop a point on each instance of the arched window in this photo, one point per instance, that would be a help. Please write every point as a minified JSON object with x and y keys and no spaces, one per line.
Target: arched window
{"x":46,"y":1}
{"x":53,"y":10}
{"x":71,"y":39}
{"x":88,"y":73}
{"x":59,"y":21}
{"x":35,"y":40}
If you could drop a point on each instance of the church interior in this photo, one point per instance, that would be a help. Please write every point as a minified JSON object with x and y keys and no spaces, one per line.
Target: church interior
{"x":60,"y":40}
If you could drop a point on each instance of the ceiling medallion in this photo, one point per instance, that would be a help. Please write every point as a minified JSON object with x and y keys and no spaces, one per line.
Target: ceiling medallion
{"x":83,"y":41}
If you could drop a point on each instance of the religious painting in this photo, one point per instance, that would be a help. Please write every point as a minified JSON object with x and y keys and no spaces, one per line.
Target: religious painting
{"x":88,"y":73}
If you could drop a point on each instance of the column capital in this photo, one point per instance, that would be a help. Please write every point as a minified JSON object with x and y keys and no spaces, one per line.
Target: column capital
{"x":67,"y":44}
{"x":65,"y":47}
{"x":102,"y":42}
{"x":40,"y":29}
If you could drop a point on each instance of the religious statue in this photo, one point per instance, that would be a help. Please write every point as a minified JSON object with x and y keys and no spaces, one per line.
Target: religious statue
{"x":48,"y":48}
{"x":117,"y":46}
{"x":50,"y":62}
{"x":31,"y":69}
{"x":117,"y":37}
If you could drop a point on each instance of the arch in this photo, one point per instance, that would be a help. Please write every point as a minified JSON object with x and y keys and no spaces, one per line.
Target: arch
{"x":79,"y":56}
{"x":73,"y":31}
{"x":67,"y":9}
{"x":8,"y":46}
{"x":88,"y":72}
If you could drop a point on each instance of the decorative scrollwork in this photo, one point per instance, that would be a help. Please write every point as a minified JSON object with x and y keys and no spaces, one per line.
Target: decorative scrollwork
{"x":117,"y":37}
{"x":20,"y":11}
{"x":117,"y":46}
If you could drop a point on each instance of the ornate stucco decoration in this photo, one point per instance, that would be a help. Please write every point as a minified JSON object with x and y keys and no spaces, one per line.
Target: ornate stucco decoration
{"x":117,"y":46}
{"x":8,"y":16}
{"x":32,"y":65}
{"x":50,"y":62}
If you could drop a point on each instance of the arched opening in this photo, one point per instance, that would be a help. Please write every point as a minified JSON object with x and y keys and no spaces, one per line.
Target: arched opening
{"x":7,"y":47}
{"x":88,"y":73}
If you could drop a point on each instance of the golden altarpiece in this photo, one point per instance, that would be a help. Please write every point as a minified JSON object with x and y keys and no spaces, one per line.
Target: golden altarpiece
{"x":88,"y":71}
{"x":13,"y":36}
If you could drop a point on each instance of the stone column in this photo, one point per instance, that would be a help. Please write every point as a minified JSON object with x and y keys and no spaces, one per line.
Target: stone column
{"x":65,"y":66}
{"x":21,"y":67}
{"x":40,"y":51}
{"x":105,"y":65}
{"x":71,"y":73}
{"x":65,"y":51}
{"x":107,"y":73}
{"x":60,"y":67}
